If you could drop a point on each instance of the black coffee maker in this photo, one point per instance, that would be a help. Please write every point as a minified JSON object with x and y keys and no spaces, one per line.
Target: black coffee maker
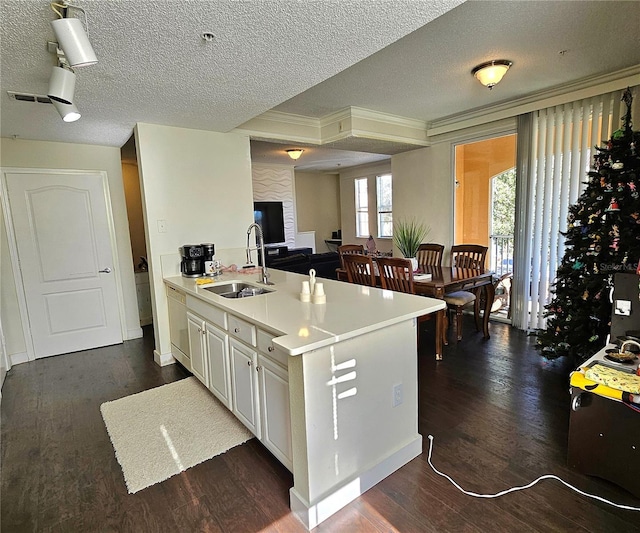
{"x":192,"y":261}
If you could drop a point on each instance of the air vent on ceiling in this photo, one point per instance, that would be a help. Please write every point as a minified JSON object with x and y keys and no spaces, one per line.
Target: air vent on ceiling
{"x":26,"y":97}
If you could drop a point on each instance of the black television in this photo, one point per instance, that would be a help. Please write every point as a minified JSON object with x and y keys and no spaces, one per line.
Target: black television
{"x":270,"y":216}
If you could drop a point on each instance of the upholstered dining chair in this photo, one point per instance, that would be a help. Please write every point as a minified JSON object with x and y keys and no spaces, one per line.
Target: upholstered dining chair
{"x":346,"y":249}
{"x":430,"y":254}
{"x":465,"y":256}
{"x":360,"y":269}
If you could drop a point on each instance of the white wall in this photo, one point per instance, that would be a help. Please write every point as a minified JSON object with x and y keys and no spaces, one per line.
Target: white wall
{"x":40,"y":154}
{"x":274,"y":183}
{"x":199,"y":184}
{"x":318,"y":205}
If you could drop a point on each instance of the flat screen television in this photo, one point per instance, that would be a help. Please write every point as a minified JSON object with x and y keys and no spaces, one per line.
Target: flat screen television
{"x":270,"y":216}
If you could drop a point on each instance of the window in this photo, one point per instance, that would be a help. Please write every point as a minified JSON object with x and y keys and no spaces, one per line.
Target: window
{"x":384,"y":196}
{"x":362,"y":208}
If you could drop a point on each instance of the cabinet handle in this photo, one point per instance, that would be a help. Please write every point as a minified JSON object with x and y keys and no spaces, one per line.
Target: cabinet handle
{"x":249,"y":363}
{"x":258,"y":368}
{"x":236,"y":330}
{"x":270,"y":348}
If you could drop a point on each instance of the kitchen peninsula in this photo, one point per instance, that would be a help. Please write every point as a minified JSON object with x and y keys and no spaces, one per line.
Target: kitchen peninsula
{"x":331,"y":389}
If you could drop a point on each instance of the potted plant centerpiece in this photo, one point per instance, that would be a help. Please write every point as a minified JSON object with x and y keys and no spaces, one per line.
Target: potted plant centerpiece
{"x":408,"y":235}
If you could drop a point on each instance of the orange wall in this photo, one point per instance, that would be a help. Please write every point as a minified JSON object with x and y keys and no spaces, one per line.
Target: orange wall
{"x":476,"y":163}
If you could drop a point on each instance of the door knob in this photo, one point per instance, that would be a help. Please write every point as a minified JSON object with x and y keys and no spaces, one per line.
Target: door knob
{"x":105,"y":271}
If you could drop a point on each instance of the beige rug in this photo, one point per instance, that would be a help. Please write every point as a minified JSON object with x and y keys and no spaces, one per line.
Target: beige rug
{"x":161,"y":432}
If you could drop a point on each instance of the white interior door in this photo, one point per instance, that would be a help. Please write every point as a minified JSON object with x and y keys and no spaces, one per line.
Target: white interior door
{"x":62,"y":232}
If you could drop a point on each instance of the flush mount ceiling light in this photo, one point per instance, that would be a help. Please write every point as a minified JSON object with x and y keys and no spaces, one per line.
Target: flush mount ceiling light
{"x":72,"y":37}
{"x":295,"y":153}
{"x":491,"y":72}
{"x":62,"y":84}
{"x":68,"y":112}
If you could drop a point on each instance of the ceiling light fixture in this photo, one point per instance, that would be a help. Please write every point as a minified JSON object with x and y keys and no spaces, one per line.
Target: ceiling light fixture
{"x":295,"y":153}
{"x":62,"y":84}
{"x":72,"y":37}
{"x":491,"y":72}
{"x":68,"y":112}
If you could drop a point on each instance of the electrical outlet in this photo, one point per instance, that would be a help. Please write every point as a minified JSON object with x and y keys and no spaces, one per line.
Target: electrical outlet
{"x":162,"y":226}
{"x":397,"y":395}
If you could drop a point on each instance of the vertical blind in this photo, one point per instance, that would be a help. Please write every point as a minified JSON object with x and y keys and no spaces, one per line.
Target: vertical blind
{"x":554,"y":155}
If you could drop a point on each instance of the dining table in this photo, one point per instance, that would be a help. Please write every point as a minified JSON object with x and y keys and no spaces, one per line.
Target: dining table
{"x":446,"y":279}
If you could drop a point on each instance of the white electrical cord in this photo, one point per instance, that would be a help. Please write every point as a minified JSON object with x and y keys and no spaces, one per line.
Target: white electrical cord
{"x":513,"y":489}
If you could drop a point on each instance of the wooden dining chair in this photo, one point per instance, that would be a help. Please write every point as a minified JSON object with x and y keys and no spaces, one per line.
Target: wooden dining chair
{"x":465,"y":256}
{"x":360,"y":269}
{"x":430,"y":254}
{"x":396,"y":274}
{"x":468,"y":255}
{"x":346,"y":249}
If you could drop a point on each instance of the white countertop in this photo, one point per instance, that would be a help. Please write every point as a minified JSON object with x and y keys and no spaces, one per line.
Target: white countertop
{"x":351,"y":310}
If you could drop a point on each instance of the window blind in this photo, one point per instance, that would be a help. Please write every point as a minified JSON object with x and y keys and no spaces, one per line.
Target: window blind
{"x":554,"y":155}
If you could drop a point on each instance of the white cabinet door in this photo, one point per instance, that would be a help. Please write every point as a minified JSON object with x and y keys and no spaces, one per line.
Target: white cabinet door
{"x":218,"y":364}
{"x":274,"y":404}
{"x":244,"y":385}
{"x":195,"y":326}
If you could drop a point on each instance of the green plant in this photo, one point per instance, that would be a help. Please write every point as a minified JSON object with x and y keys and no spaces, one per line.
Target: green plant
{"x":408,"y":234}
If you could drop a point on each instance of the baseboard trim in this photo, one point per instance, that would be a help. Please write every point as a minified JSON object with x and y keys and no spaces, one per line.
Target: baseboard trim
{"x":163,"y":359}
{"x":312,"y":514}
{"x":134,"y":333}
{"x":17,"y":358}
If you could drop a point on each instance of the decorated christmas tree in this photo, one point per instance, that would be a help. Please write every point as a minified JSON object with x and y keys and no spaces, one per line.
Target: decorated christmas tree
{"x":602,"y":238}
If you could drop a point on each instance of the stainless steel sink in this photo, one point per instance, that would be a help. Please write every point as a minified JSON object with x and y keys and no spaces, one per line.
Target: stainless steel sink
{"x":237,"y":290}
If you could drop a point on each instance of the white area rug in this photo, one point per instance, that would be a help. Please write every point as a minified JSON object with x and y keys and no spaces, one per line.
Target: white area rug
{"x":161,"y":432}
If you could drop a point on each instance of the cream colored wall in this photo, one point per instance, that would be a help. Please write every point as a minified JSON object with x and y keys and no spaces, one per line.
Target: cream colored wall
{"x":131,"y":180}
{"x":420,"y":192}
{"x":199,"y":184}
{"x":318,"y":205}
{"x":39,"y":154}
{"x":348,"y":203}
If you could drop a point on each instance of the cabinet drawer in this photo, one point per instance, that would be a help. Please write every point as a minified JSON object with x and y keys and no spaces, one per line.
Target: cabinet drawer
{"x":266,"y":347}
{"x":242,"y":330}
{"x":207,"y":311}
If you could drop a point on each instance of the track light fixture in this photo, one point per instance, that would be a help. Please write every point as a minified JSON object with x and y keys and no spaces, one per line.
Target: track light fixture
{"x":73,"y":49}
{"x":68,"y":112}
{"x":62,"y":84}
{"x":72,"y":37}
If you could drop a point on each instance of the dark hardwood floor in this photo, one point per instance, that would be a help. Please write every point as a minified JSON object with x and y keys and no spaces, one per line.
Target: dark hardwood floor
{"x":498,"y":413}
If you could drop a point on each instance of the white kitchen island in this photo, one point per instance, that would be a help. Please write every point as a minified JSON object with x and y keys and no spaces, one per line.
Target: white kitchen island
{"x":350,"y":368}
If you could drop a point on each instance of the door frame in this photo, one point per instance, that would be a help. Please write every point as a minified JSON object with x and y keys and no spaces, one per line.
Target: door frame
{"x":13,"y":247}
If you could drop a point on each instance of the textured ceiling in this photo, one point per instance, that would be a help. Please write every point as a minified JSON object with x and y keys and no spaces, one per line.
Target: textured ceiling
{"x":409,"y":58}
{"x":154,"y":66}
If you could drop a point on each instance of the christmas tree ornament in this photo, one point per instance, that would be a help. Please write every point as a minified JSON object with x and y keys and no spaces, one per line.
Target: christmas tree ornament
{"x":613,"y":206}
{"x":618,"y":165}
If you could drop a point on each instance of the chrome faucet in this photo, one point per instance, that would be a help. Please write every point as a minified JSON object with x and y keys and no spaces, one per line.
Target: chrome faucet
{"x":264,"y":276}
